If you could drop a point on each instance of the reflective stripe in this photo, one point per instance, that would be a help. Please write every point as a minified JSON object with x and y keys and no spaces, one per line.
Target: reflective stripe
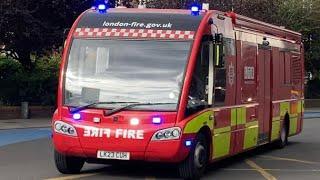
{"x":221,"y":145}
{"x":293,"y":115}
{"x":284,"y":108}
{"x":299,"y":108}
{"x":251,"y":137}
{"x":276,"y":119}
{"x":275,"y":133}
{"x":198,"y":122}
{"x":222,"y":130}
{"x":241,"y":115}
{"x":233,"y":117}
{"x":293,"y":125}
{"x":250,"y":124}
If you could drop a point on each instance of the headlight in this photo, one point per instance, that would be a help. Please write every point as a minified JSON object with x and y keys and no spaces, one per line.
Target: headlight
{"x":64,"y":128}
{"x":167,"y":134}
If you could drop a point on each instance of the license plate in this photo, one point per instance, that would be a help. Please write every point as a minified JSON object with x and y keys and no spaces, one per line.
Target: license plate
{"x":113,"y":155}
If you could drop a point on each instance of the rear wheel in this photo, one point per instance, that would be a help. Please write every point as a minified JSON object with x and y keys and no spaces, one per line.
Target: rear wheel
{"x":68,"y":164}
{"x":193,"y":167}
{"x":283,"y":141}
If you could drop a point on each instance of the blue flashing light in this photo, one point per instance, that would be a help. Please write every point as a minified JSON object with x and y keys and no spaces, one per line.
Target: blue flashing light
{"x":156,"y":120}
{"x":102,"y":7}
{"x":76,"y":116}
{"x":195,"y":10}
{"x":188,"y":143}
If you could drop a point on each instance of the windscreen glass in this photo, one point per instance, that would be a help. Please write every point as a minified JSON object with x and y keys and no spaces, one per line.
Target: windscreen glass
{"x":126,"y":71}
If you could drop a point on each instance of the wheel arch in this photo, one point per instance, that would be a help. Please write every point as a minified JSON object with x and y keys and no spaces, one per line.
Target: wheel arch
{"x":286,"y":122}
{"x":206,"y":131}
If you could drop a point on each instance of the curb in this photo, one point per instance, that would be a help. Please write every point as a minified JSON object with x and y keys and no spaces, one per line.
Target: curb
{"x":41,"y":127}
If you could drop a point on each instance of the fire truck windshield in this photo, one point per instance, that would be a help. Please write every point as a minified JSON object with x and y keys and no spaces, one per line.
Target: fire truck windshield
{"x":134,"y":71}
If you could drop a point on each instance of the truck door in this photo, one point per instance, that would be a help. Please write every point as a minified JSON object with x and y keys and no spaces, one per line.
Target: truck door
{"x":264,"y":93}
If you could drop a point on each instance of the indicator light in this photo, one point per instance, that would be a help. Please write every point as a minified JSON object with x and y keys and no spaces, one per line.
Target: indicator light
{"x":188,"y":143}
{"x":76,"y":116}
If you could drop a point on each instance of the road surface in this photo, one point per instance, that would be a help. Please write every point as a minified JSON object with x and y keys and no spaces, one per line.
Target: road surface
{"x":27,"y":154}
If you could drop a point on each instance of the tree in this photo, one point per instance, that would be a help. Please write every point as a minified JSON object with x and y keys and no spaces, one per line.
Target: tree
{"x":303,"y":16}
{"x":29,"y":27}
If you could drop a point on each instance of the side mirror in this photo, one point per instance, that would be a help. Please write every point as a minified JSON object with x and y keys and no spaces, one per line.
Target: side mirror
{"x":218,"y":50}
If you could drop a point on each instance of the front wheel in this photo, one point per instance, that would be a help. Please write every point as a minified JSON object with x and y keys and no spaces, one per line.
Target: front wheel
{"x":193,"y":167}
{"x":68,"y":164}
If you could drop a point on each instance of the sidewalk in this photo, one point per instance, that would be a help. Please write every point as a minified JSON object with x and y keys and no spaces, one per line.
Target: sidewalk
{"x":25,"y":123}
{"x":313,"y":110}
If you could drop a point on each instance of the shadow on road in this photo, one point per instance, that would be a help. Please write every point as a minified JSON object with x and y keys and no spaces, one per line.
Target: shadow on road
{"x":169,"y":171}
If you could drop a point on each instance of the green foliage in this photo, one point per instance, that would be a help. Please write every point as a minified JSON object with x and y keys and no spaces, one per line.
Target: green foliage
{"x":313,"y":90}
{"x":37,"y":87}
{"x":9,"y":70}
{"x":303,"y":16}
{"x":33,"y":26}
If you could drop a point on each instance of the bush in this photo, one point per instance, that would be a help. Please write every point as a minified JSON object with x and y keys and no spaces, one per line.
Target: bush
{"x":9,"y":89}
{"x":313,"y":89}
{"x":38,"y":87}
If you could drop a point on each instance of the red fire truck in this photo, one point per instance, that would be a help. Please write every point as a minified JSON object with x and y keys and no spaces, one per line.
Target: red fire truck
{"x":188,"y":87}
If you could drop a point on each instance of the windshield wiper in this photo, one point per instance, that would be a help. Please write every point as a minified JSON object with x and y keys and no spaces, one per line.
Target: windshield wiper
{"x":81,"y":108}
{"x":116,"y":110}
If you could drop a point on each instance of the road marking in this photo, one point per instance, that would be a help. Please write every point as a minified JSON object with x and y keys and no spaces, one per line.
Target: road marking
{"x":290,"y":159}
{"x":288,"y":170}
{"x":71,"y":177}
{"x":259,"y":169}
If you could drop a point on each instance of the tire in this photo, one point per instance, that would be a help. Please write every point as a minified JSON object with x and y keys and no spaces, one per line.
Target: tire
{"x":283,"y":141}
{"x":195,"y":164}
{"x":67,"y":164}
